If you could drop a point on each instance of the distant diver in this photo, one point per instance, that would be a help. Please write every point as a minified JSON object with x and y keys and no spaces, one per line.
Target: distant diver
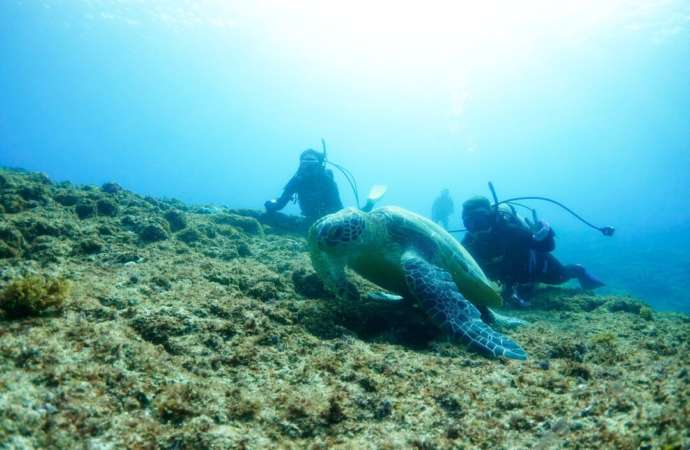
{"x":514,"y":252}
{"x":314,"y":187}
{"x":442,"y":208}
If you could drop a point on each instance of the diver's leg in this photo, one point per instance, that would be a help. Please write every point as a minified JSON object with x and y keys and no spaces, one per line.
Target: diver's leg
{"x":551,"y":271}
{"x":438,"y":294}
{"x":554,"y":272}
{"x":587,"y":280}
{"x":369,"y":205}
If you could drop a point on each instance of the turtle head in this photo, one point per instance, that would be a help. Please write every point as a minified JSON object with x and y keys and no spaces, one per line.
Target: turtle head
{"x":339,"y":231}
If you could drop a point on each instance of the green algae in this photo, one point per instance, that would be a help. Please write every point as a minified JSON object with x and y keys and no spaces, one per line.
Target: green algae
{"x":32,"y":295}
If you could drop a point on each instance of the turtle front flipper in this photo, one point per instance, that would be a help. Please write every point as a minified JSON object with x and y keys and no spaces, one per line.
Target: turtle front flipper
{"x":437,"y":293}
{"x":331,"y":270}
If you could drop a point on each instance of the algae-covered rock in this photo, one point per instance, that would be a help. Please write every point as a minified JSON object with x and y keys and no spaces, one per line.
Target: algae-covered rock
{"x":148,"y":228}
{"x":247,"y":224}
{"x":625,"y":305}
{"x":189,"y":235}
{"x":106,"y":207}
{"x":34,"y":227}
{"x":153,"y":232}
{"x":11,"y":241}
{"x":243,"y":249}
{"x":12,"y":203}
{"x":49,"y":248}
{"x":33,"y":192}
{"x":281,"y":223}
{"x":90,"y":246}
{"x":7,"y":252}
{"x":646,"y":313}
{"x":308,"y":284}
{"x":558,"y":299}
{"x":111,"y":188}
{"x":176,"y":219}
{"x":32,"y":295}
{"x":85,"y":209}
{"x":66,"y":197}
{"x":160,"y":326}
{"x":177,"y":403}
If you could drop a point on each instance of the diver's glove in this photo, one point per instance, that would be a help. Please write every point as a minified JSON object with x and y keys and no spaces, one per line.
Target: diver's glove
{"x":543,"y":231}
{"x":509,"y":295}
{"x":519,"y":301}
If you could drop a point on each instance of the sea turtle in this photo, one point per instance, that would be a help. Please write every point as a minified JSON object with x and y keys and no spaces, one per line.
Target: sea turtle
{"x":409,"y":255}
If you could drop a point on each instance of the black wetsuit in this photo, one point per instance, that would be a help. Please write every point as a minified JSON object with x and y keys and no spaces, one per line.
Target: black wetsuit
{"x":317,"y":194}
{"x":509,"y":253}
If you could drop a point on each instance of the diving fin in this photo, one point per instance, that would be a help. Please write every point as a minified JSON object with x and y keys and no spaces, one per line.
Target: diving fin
{"x":377,"y":191}
{"x":375,"y":194}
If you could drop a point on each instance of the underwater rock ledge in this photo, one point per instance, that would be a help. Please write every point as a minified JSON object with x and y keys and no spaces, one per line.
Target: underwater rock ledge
{"x":205,"y":327}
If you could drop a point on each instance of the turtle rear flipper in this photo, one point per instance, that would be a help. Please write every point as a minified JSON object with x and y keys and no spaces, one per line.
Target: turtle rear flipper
{"x":437,"y":293}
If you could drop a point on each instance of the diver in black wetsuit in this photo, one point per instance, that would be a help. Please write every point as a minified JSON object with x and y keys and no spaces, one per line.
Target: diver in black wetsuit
{"x":317,"y":193}
{"x":514,"y":255}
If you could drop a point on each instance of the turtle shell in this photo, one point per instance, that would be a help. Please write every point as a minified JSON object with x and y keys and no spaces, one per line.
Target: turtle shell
{"x":407,"y":230}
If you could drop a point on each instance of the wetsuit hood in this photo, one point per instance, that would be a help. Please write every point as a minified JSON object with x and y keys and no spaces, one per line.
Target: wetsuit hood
{"x":474,"y":203}
{"x":312,"y":155}
{"x":477,"y":214}
{"x":311,"y":163}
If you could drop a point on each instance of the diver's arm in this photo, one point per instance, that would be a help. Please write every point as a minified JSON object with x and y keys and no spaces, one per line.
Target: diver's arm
{"x":288,"y":192}
{"x":525,"y":238}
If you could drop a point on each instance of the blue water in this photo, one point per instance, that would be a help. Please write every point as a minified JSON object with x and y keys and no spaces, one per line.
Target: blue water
{"x":212,"y":101}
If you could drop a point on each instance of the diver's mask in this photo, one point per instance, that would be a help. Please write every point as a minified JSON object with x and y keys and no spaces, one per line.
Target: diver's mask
{"x":310,"y":163}
{"x":477,"y":220}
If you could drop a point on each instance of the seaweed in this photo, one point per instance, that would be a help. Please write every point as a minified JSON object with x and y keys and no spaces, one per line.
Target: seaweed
{"x":33,"y":295}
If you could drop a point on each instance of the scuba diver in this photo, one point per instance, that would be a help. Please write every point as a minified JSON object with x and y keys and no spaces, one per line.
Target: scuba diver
{"x":515,"y":253}
{"x":442,"y":208}
{"x":314,"y":186}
